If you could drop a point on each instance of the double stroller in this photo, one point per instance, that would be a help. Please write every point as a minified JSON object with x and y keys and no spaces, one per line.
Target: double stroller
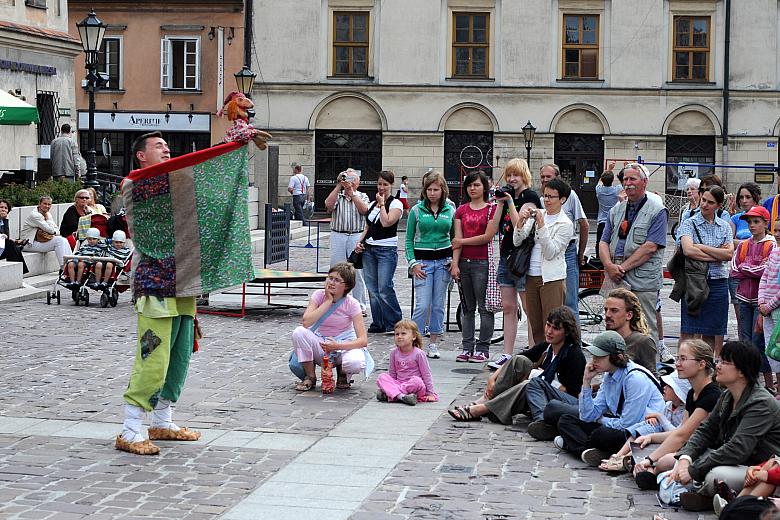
{"x":119,"y":280}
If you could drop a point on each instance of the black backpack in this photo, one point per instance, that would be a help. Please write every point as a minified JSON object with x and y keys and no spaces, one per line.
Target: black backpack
{"x":747,"y":508}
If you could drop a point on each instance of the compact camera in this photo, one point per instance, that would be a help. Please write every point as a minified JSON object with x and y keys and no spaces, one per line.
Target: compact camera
{"x":533,"y":213}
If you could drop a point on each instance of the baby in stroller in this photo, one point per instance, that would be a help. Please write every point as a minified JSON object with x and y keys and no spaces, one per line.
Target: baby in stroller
{"x":105,"y":270}
{"x":76,"y":269}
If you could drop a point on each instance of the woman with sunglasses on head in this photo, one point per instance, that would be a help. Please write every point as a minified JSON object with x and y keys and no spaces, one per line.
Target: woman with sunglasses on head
{"x":70,"y":220}
{"x":333,"y":326}
{"x":545,"y":286}
{"x":743,"y":429}
{"x":707,"y":237}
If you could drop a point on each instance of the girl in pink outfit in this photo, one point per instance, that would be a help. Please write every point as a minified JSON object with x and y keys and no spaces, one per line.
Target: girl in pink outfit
{"x":409,"y":377}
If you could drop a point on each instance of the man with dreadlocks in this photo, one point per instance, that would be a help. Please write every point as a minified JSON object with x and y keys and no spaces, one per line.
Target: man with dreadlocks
{"x":623,"y":314}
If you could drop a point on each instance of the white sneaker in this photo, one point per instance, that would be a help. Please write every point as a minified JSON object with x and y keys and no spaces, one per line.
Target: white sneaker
{"x":664,"y":354}
{"x":499,"y":361}
{"x":433,"y":351}
{"x":558,"y":441}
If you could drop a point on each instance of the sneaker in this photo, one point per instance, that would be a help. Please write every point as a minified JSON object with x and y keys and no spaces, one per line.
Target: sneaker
{"x":381,"y":395}
{"x":499,"y":362}
{"x":541,"y":431}
{"x":664,"y":354}
{"x":593,"y":457}
{"x":463,"y":357}
{"x":718,"y":503}
{"x":558,"y":442}
{"x":433,"y":351}
{"x":410,"y":399}
{"x":479,"y":357}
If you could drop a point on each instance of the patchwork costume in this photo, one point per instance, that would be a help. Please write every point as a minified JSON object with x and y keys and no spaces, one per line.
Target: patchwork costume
{"x":190,"y":226}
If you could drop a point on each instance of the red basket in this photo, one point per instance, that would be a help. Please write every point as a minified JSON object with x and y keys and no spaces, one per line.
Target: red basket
{"x":591,"y":279}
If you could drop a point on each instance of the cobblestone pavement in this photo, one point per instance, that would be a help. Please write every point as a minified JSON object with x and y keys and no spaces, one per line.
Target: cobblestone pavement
{"x":64,"y":369}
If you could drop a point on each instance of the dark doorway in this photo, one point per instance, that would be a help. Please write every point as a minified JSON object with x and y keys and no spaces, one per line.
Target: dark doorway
{"x":688,"y":149}
{"x":335,"y":151}
{"x":465,"y":152}
{"x":581,"y":160}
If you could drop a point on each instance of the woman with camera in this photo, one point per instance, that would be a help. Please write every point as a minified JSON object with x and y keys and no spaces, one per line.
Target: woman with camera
{"x":545,"y":286}
{"x":514,"y":195}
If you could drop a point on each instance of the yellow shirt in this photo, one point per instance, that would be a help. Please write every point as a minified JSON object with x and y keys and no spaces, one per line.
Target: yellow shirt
{"x":154,"y":307}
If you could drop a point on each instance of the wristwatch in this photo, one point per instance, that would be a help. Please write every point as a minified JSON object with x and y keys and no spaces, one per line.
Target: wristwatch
{"x":652,"y":464}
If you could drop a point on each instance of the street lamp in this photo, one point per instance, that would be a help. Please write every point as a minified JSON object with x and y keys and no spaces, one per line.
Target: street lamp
{"x":91,"y":32}
{"x":529,"y":132}
{"x":245,"y":79}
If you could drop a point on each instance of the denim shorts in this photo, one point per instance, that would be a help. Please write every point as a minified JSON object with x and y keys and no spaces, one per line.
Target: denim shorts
{"x":507,"y":279}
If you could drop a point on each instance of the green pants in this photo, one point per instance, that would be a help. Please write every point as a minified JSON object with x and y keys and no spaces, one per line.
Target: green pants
{"x":161,"y":360}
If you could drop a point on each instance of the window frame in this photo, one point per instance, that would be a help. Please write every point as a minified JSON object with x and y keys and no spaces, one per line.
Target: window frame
{"x":691,"y":50}
{"x":38,"y":4}
{"x":335,"y":45}
{"x":454,"y":46}
{"x":166,"y":70}
{"x":120,"y":60}
{"x":580,"y":47}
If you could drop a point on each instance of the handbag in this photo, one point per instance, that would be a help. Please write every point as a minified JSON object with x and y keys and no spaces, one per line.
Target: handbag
{"x":356,"y":259}
{"x":308,"y":209}
{"x":520,"y":258}
{"x":43,"y":236}
{"x":492,"y":291}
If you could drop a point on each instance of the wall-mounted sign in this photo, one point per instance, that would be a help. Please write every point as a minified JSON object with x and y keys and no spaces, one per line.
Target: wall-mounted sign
{"x":771,"y":144}
{"x":147,"y":122}
{"x":764,"y":173}
{"x":32,"y":68}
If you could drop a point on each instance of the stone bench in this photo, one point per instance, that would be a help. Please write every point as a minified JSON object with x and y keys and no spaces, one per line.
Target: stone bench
{"x":40,"y":263}
{"x":10,"y":275}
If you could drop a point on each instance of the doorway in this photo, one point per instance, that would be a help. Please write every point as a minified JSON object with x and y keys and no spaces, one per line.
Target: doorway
{"x":581,"y":158}
{"x":335,"y":151}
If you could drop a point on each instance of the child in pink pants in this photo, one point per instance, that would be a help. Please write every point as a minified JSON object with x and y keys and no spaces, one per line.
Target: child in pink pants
{"x":408,"y":379}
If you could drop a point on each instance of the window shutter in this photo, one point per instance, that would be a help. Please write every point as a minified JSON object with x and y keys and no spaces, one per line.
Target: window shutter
{"x":165,"y":56}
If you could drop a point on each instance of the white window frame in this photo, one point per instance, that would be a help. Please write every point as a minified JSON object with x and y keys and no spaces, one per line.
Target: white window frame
{"x":166,"y":77}
{"x":121,"y":54}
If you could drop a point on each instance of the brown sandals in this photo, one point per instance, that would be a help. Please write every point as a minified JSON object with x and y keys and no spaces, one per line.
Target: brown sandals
{"x":145,"y":447}
{"x":167,"y":434}
{"x":308,"y":383}
{"x":463,"y":413}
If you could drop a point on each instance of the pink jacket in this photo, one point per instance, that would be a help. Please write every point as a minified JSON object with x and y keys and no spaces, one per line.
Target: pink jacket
{"x":748,"y":266}
{"x":769,"y":287}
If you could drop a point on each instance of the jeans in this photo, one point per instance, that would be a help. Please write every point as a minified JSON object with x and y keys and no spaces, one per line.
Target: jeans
{"x":431,"y":294}
{"x":298,"y":201}
{"x":538,"y":393}
{"x":572,"y":279}
{"x":341,"y":246}
{"x":473,"y":282}
{"x":379,"y":264}
{"x":748,"y":314}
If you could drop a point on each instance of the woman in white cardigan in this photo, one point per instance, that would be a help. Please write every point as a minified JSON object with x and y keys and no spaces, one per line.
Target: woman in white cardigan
{"x":545,"y":284}
{"x":41,"y":230}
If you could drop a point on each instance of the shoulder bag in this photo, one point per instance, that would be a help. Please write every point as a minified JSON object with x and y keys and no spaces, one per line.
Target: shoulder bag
{"x":520,"y":257}
{"x":43,"y":236}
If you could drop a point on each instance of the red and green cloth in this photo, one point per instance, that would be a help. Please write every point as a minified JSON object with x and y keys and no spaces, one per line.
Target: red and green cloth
{"x":189,"y":222}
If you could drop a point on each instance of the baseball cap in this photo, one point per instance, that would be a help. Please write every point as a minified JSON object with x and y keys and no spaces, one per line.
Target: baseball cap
{"x":681,"y":387}
{"x":119,"y":236}
{"x":93,"y":233}
{"x":606,"y":343}
{"x":756,"y":211}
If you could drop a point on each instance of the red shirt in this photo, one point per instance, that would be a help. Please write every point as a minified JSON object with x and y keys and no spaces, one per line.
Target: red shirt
{"x":473,"y":223}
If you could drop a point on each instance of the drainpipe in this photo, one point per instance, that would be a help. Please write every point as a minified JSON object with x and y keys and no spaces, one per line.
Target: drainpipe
{"x":248,"y":33}
{"x":726,"y":74}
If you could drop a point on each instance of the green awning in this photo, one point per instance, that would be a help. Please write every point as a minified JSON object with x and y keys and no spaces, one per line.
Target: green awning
{"x":14,"y":111}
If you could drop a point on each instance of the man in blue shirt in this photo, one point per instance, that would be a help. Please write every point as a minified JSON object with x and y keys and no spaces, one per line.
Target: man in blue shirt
{"x":627,"y":394}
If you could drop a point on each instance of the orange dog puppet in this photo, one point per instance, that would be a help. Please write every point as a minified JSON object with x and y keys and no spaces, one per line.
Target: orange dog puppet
{"x":237,"y":107}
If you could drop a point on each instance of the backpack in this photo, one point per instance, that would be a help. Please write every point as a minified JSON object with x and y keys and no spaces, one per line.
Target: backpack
{"x":747,"y":508}
{"x":743,"y":249}
{"x":650,"y":376}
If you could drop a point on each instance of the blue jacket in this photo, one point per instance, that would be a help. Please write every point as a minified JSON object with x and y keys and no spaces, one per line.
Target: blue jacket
{"x":641,"y":397}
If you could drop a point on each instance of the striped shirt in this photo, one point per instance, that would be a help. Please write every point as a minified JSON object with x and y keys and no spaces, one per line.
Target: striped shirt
{"x":346,"y":218}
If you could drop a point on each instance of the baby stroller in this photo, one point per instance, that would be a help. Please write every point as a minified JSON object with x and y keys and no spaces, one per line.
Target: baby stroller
{"x":79,"y":289}
{"x":119,"y":281}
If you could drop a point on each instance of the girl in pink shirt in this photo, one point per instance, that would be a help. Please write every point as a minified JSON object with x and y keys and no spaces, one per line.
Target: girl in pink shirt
{"x":409,"y":377}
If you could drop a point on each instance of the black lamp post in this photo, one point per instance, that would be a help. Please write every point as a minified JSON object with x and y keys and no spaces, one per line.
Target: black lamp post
{"x":91,"y":32}
{"x":245,"y":80}
{"x":529,"y":132}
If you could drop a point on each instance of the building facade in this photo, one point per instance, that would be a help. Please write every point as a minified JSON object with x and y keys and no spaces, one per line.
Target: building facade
{"x":169,"y":67}
{"x":449,"y":84}
{"x":36,"y":63}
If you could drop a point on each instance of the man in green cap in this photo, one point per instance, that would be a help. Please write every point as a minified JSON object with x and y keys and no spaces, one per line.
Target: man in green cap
{"x":627,"y":394}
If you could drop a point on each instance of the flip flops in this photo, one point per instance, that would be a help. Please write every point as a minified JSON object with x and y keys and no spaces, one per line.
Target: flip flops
{"x":463,"y":414}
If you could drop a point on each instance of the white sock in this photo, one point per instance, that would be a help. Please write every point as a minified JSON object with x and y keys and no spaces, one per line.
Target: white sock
{"x":162,"y":415}
{"x":131,"y":428}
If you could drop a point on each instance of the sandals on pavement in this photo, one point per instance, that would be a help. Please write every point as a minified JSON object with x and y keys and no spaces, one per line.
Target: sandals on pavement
{"x":308,"y":383}
{"x":463,"y":414}
{"x":342,"y":383}
{"x":169,"y":434}
{"x":145,"y":447}
{"x":614,"y":464}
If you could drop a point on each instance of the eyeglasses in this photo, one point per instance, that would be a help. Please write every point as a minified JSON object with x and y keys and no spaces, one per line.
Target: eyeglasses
{"x":725,"y":363}
{"x":334,"y":280}
{"x":84,"y":197}
{"x":550,"y":197}
{"x":683,"y":359}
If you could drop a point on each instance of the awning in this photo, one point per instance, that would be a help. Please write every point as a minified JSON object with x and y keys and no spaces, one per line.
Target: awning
{"x":14,"y":111}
